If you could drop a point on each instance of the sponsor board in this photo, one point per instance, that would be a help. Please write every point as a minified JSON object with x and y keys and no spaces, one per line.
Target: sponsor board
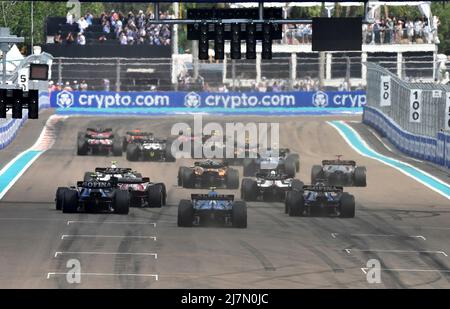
{"x":102,"y":100}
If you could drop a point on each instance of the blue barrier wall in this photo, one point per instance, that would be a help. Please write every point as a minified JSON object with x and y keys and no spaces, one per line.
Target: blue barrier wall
{"x":436,"y":150}
{"x":142,"y":102}
{"x":9,"y":128}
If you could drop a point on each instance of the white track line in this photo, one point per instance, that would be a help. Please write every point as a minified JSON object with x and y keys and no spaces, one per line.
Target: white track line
{"x":59,"y":253}
{"x":381,"y":141}
{"x":349,"y":250}
{"x":111,"y":222}
{"x":50,"y":274}
{"x":334,"y":235}
{"x":365,"y":269}
{"x":65,"y":236}
{"x":390,"y":158}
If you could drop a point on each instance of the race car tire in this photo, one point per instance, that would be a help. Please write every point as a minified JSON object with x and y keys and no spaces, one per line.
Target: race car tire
{"x":155,"y":196}
{"x":249,"y":189}
{"x":316,"y":173}
{"x":185,"y":213}
{"x":124,"y":144}
{"x":295,"y":204}
{"x":121,"y":202}
{"x":187,"y":178}
{"x":168,"y":153}
{"x":295,"y":158}
{"x":117,"y":147}
{"x":82,"y":146}
{"x":297,"y":185}
{"x":232,"y":179}
{"x":87,"y":176}
{"x":70,"y":201}
{"x":239,"y":214}
{"x":132,"y":152}
{"x":249,"y":167}
{"x":180,"y":176}
{"x":289,"y":168}
{"x":59,"y":199}
{"x":360,"y":176}
{"x":347,"y":207}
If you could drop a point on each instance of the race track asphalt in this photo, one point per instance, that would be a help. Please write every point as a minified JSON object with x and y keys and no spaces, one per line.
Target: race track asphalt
{"x":400,"y":222}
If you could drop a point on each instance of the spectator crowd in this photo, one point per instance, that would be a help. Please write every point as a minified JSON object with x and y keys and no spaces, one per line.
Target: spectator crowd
{"x":127,"y":29}
{"x":391,"y":30}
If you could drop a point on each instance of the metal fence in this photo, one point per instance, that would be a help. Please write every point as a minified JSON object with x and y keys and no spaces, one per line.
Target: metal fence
{"x":432,"y":114}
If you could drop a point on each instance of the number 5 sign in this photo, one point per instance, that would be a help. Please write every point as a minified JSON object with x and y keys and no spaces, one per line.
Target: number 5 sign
{"x":415,"y":105}
{"x":385,"y":93}
{"x":447,"y":112}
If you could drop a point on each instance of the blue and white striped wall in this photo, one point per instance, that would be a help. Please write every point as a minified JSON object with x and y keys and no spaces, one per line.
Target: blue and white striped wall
{"x":10,"y":127}
{"x":436,"y":150}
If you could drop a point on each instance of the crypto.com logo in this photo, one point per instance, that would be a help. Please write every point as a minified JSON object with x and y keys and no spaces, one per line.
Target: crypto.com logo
{"x":213,"y":141}
{"x":320,"y":99}
{"x":192,"y":99}
{"x":64,"y":99}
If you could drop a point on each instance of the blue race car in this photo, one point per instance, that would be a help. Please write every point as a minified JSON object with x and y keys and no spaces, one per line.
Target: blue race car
{"x":320,"y":198}
{"x":93,"y":196}
{"x":212,"y":207}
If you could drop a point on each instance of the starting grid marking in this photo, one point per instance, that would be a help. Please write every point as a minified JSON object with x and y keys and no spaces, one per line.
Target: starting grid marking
{"x":65,"y":236}
{"x":112,"y":222}
{"x":350,"y":250}
{"x":334,"y":235}
{"x":60,"y":253}
{"x":54,"y":274}
{"x":365,"y":269}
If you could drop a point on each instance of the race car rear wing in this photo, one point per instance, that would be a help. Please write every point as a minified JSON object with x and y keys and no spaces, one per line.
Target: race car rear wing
{"x":218,"y":197}
{"x":134,"y":180}
{"x":323,"y":188}
{"x":134,"y":133}
{"x":338,"y":162}
{"x":94,"y":130}
{"x":111,"y":171}
{"x":266,"y":175}
{"x":94,"y":184}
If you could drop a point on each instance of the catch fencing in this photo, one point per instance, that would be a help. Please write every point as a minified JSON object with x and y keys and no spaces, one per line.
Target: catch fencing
{"x":415,"y":117}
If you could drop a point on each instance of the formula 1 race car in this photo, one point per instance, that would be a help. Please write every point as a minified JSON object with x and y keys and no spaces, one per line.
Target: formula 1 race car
{"x":142,"y":191}
{"x":340,"y":173}
{"x":93,"y":196}
{"x":208,"y":173}
{"x":270,"y":185}
{"x":320,"y":198}
{"x":285,"y":162}
{"x":149,"y":148}
{"x":242,"y":152}
{"x":203,"y":208}
{"x":134,"y":136}
{"x":99,"y":141}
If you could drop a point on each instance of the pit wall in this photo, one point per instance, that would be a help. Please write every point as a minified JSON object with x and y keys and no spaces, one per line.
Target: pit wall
{"x":435,"y":150}
{"x":9,"y":127}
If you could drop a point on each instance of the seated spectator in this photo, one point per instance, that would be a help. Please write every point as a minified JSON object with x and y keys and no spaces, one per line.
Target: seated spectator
{"x":106,"y":27}
{"x":82,"y":24}
{"x":123,"y":39}
{"x":102,"y":39}
{"x":67,"y":87}
{"x":70,"y":39}
{"x":83,"y":85}
{"x":81,"y":40}
{"x":57,"y":39}
{"x":89,"y":18}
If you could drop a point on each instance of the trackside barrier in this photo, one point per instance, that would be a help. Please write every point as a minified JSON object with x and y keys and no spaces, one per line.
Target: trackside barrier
{"x":9,"y":128}
{"x":191,"y":102}
{"x":436,"y":150}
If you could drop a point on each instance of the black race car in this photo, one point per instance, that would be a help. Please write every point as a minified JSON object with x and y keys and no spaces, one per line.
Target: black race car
{"x":93,"y":196}
{"x":285,"y":162}
{"x":203,"y":208}
{"x":270,"y":185}
{"x":208,"y":173}
{"x":134,"y":136}
{"x":320,"y":198}
{"x":340,"y":173}
{"x":149,"y":148}
{"x":143,"y":192}
{"x":99,"y":141}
